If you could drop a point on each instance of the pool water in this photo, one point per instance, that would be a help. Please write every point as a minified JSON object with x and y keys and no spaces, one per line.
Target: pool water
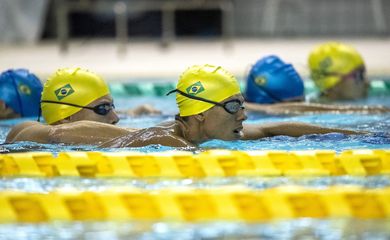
{"x":301,"y":228}
{"x":304,"y":228}
{"x":377,"y":124}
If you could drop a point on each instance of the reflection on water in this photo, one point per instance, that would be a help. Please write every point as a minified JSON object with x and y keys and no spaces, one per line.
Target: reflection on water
{"x":334,"y":141}
{"x":282,"y":229}
{"x":303,"y":228}
{"x":378,"y":124}
{"x":300,"y":228}
{"x":99,"y":184}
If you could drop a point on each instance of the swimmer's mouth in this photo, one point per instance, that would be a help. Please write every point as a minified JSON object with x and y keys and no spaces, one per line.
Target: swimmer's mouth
{"x":238,"y":130}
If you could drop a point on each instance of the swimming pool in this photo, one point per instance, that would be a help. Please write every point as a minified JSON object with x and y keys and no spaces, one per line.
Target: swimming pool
{"x":378,"y":124}
{"x":310,"y":228}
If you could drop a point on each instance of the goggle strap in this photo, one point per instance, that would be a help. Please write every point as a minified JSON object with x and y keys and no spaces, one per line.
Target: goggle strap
{"x":65,"y":103}
{"x":194,"y":97}
{"x":39,"y":114}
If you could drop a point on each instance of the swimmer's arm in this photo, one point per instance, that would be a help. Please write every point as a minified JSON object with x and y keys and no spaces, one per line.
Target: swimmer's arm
{"x":148,"y":136}
{"x":29,"y":131}
{"x":144,"y":109}
{"x":289,"y":108}
{"x":81,"y":132}
{"x":86,"y":132}
{"x":303,"y":107}
{"x":293,"y":129}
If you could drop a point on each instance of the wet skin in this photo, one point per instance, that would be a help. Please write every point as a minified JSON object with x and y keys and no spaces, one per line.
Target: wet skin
{"x":351,"y":87}
{"x":7,"y":112}
{"x":214,"y":123}
{"x":84,"y":127}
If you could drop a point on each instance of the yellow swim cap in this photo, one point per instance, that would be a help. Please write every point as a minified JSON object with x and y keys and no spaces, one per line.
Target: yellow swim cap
{"x":70,"y":85}
{"x":205,"y":81}
{"x":330,"y":60}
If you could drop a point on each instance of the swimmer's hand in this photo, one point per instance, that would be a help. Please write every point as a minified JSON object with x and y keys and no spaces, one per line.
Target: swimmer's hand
{"x":148,"y":136}
{"x":145,"y":109}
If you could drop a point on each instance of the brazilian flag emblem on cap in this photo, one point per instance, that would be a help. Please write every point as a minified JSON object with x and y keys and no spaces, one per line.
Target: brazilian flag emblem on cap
{"x":195,"y":88}
{"x":64,"y":91}
{"x":260,"y":81}
{"x":24,"y":89}
{"x":326,"y":63}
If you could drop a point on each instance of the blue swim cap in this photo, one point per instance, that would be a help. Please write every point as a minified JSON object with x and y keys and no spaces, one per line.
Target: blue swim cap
{"x":271,"y":80}
{"x":21,"y":91}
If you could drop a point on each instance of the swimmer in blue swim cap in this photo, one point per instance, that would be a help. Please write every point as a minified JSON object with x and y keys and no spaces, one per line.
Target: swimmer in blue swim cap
{"x":275,"y":87}
{"x":271,"y":80}
{"x":20,"y":94}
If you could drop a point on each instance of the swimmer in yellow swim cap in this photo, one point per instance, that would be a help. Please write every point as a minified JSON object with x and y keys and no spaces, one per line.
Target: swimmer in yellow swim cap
{"x":78,"y":107}
{"x":73,"y":94}
{"x":266,"y":92}
{"x":211,"y":106}
{"x":338,"y":71}
{"x":209,"y":97}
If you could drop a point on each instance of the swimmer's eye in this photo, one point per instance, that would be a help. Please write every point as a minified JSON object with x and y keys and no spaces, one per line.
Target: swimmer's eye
{"x":103,"y":109}
{"x":233,"y":106}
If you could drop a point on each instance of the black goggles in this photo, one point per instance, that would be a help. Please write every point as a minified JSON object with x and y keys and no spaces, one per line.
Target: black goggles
{"x":101,"y":109}
{"x":359,"y":74}
{"x":231,"y":106}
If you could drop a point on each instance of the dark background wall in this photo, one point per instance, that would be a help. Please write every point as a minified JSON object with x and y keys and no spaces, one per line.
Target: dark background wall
{"x":252,"y":18}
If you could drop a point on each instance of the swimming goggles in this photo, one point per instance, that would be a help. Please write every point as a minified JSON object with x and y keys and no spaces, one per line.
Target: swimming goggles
{"x":359,"y":74}
{"x":231,"y":106}
{"x":101,"y":109}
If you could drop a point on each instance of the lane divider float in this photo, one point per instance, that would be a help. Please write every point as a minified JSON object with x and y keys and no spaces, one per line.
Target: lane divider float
{"x":190,"y":204}
{"x":182,"y":164}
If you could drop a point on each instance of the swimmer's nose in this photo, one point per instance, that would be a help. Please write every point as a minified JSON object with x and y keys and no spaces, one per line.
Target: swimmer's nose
{"x":115,"y":118}
{"x":242,"y":115}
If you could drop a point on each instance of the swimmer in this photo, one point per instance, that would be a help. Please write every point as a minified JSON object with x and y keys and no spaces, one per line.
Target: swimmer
{"x":77,"y":107}
{"x":211,"y":106}
{"x":338,"y":71}
{"x":20,"y":94}
{"x":274,"y":87}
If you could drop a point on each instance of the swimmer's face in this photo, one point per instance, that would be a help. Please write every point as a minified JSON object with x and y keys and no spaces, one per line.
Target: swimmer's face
{"x":87,"y":114}
{"x":7,"y":112}
{"x":352,"y":86}
{"x":219,"y":124}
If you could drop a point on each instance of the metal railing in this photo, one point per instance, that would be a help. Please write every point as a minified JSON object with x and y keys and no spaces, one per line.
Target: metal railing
{"x":121,"y":8}
{"x":243,"y":17}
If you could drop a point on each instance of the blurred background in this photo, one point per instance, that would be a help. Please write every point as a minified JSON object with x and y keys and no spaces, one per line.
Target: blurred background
{"x":128,"y":39}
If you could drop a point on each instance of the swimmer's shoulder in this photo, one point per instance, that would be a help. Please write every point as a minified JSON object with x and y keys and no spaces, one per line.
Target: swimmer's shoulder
{"x":28,"y":131}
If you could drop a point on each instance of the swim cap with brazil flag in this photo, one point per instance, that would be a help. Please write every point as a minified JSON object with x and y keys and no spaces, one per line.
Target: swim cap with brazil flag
{"x":329,"y":61}
{"x":70,"y":85}
{"x":205,"y":81}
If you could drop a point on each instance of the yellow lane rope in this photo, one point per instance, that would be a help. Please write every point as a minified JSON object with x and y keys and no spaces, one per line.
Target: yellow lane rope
{"x":212,"y":163}
{"x":190,"y":204}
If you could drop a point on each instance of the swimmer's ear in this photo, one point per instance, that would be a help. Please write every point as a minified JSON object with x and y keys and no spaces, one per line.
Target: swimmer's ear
{"x":65,"y":120}
{"x":199,"y":117}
